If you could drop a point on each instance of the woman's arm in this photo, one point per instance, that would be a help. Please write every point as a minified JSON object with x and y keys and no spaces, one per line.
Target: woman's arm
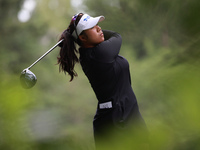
{"x":108,"y":34}
{"x":108,"y":50}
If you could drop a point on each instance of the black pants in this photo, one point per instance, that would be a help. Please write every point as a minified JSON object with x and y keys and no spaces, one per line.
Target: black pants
{"x":112,"y":133}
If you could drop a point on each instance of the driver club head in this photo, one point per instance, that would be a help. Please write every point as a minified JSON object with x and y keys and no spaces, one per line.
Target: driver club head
{"x":28,"y":79}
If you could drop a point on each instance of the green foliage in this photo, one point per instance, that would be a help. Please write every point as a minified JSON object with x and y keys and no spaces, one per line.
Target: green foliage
{"x":166,"y":23}
{"x":13,"y":107}
{"x":161,"y":43}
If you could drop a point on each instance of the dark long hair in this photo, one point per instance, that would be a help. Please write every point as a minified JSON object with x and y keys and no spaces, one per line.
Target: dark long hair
{"x":68,"y":53}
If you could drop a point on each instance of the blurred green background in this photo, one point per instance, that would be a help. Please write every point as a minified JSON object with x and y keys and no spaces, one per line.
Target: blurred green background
{"x":161,"y":40}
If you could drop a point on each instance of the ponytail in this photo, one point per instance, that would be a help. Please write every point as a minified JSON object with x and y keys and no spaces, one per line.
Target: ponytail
{"x":68,"y":53}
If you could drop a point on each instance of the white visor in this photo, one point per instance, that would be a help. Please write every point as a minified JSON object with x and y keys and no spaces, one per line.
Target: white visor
{"x":86,"y":22}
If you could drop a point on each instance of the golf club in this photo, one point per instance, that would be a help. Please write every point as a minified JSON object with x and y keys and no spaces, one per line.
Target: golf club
{"x":27,"y":78}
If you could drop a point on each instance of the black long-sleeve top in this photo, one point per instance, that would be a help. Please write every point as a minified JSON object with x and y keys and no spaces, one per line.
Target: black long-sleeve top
{"x":108,"y":73}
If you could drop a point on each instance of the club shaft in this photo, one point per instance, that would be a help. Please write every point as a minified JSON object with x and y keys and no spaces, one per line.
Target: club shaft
{"x":45,"y":54}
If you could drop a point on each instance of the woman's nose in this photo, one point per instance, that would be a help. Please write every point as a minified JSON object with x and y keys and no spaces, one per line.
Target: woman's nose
{"x":98,"y":28}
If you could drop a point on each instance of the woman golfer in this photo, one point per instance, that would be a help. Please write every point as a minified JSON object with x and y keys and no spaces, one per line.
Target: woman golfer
{"x":117,"y":117}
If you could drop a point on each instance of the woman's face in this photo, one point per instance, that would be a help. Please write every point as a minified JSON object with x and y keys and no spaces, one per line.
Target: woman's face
{"x":92,"y":37}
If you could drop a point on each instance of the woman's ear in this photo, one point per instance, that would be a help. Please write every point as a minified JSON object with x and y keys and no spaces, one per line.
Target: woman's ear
{"x":83,"y":38}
